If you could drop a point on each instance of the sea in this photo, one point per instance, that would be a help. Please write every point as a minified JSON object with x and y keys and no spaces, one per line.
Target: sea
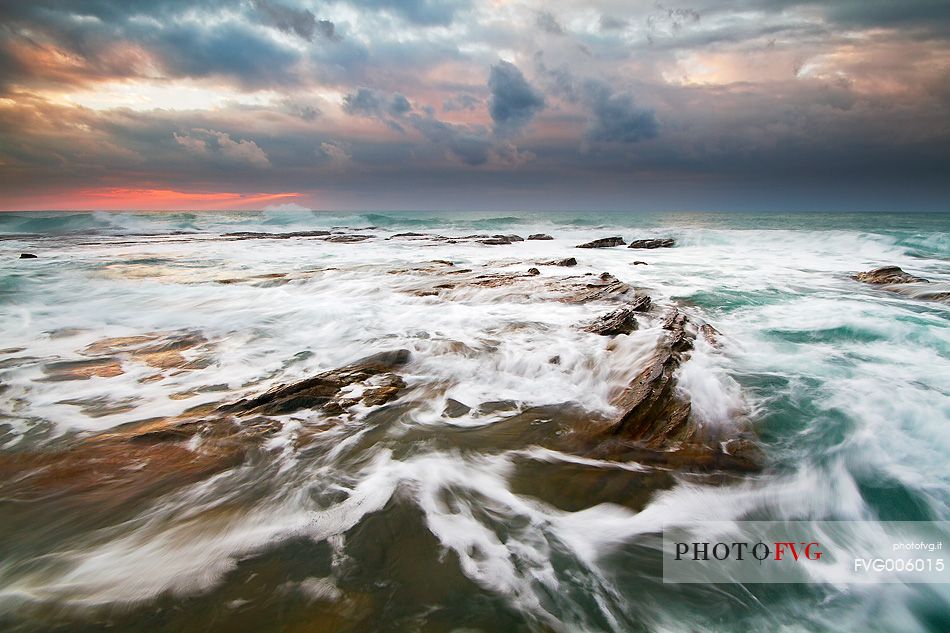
{"x":451,"y":507}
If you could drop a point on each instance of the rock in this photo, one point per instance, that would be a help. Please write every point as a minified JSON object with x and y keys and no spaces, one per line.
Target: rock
{"x":347,"y":238}
{"x":83,"y":369}
{"x":455,"y":409}
{"x":410,"y":234}
{"x":888,"y":275}
{"x":27,"y":256}
{"x":570,"y":261}
{"x":323,"y":389}
{"x":540,"y":236}
{"x":711,"y":334}
{"x":613,"y":323}
{"x":604,"y":242}
{"x":495,"y":241}
{"x":611,"y":290}
{"x":639,"y":263}
{"x":534,"y":271}
{"x":641,"y":303}
{"x":658,"y":243}
{"x":444,"y":262}
{"x":252,"y":235}
{"x":654,"y":413}
{"x":511,"y":237}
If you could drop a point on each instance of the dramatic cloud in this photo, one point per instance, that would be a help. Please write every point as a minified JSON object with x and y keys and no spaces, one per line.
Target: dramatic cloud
{"x":300,"y":21}
{"x":615,"y":118}
{"x":513,"y":101}
{"x":404,"y":103}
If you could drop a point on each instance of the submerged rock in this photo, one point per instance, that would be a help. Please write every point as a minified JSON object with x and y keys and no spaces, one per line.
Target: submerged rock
{"x":604,"y":242}
{"x":888,"y":275}
{"x":324,"y":389}
{"x":540,"y":236}
{"x":667,"y":242}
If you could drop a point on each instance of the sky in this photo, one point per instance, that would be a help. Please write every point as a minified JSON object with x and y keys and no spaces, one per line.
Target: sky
{"x":760,"y":105}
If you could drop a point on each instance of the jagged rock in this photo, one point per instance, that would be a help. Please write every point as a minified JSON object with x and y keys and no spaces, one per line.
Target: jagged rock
{"x":534,"y":271}
{"x":253,"y":235}
{"x":888,"y":275}
{"x":569,"y":261}
{"x":611,"y":289}
{"x":604,"y":242}
{"x":613,"y":323}
{"x":711,"y":334}
{"x":540,"y":236}
{"x":657,"y":243}
{"x":654,"y":414}
{"x":322,"y":389}
{"x":27,"y":256}
{"x":642,"y":303}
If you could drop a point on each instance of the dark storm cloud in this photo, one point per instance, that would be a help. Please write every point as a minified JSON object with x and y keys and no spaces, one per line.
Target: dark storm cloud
{"x":299,"y":21}
{"x":514,"y":102}
{"x":369,"y":102}
{"x":615,"y":118}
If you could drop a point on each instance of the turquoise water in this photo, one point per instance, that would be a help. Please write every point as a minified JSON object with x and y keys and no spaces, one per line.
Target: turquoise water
{"x":403,"y":519}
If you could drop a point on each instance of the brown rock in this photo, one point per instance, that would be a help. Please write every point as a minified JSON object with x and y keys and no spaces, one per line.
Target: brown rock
{"x":613,"y":323}
{"x":534,"y":271}
{"x":321,"y":389}
{"x":888,"y":275}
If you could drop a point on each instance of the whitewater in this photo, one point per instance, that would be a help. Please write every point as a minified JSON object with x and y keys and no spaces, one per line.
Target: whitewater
{"x":439,"y":495}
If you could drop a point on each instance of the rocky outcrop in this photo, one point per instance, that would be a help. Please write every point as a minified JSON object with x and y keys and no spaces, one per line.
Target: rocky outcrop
{"x":540,"y":236}
{"x":653,"y":413}
{"x":604,"y":242}
{"x":888,"y":275}
{"x":613,"y":323}
{"x":323,"y":390}
{"x":657,"y":243}
{"x":253,"y":235}
{"x":347,"y":238}
{"x":569,"y":261}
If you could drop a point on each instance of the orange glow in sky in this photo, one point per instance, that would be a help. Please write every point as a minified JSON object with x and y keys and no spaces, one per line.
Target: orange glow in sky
{"x":120,"y":198}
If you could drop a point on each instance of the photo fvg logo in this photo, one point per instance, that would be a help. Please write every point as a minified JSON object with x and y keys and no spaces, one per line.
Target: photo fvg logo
{"x":836,"y":552}
{"x":742,"y":550}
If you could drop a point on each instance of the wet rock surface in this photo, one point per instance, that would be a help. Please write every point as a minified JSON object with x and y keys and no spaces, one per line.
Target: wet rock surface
{"x":27,"y":256}
{"x":888,"y":275}
{"x":603,"y":242}
{"x":540,"y":236}
{"x":324,"y":389}
{"x":620,"y":321}
{"x":654,"y":243}
{"x":567,"y":261}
